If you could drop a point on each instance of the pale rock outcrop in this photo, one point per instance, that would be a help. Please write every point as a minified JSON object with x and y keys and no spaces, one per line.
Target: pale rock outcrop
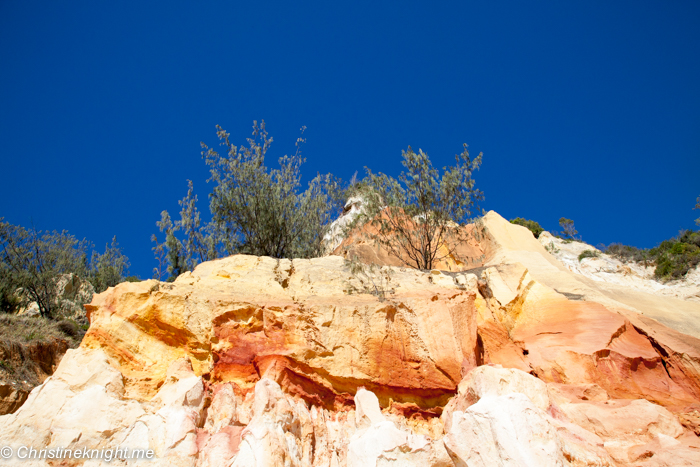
{"x":634,"y":421}
{"x":566,"y":329}
{"x":78,"y":406}
{"x":503,"y":430}
{"x":273,"y":435}
{"x":626,"y":425}
{"x":338,"y":228}
{"x":379,"y":442}
{"x":607,"y":268}
{"x":367,"y":411}
{"x":250,"y":361}
{"x":502,"y":417}
{"x":496,"y":381}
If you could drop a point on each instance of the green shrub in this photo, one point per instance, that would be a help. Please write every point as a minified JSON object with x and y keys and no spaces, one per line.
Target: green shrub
{"x":626,"y":253}
{"x":568,"y":229}
{"x":675,"y":257}
{"x":108,"y":269}
{"x":255,"y":210}
{"x":534,"y":227}
{"x":588,"y":254}
{"x":414,"y":217}
{"x":34,"y":261}
{"x":10,"y":300}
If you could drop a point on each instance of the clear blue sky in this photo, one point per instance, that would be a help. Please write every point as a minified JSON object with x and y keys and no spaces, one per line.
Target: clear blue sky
{"x":588,"y":110}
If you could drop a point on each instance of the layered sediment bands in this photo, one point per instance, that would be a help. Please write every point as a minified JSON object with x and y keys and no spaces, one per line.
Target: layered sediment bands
{"x":251,"y":361}
{"x":243,"y":317}
{"x":580,"y":342}
{"x":304,"y":324}
{"x":568,"y":332}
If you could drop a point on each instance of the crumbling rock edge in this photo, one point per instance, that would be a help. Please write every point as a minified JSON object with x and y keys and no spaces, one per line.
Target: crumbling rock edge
{"x":255,"y":361}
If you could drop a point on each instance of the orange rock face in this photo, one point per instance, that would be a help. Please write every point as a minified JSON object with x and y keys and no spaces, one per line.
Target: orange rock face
{"x":462,"y":249}
{"x":503,"y":356}
{"x":237,"y":319}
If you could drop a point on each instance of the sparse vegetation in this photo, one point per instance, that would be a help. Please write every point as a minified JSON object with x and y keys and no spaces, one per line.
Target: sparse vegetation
{"x":533,"y":226}
{"x":33,"y":264}
{"x":255,"y":210}
{"x":588,"y":254}
{"x":568,"y":230}
{"x":675,"y":257}
{"x":415,"y":216}
{"x":29,"y":345}
{"x":372,"y":278}
{"x":109,"y":268}
{"x":28,"y":329}
{"x":551,"y":248}
{"x":626,"y":253}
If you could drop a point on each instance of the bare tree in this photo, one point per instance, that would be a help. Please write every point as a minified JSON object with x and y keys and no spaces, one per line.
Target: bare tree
{"x":417,"y":215}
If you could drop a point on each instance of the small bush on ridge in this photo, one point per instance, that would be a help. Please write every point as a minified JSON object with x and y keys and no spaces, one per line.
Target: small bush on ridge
{"x":534,"y":227}
{"x":588,"y":254}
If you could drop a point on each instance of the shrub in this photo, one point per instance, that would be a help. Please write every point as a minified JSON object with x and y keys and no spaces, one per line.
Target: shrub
{"x":534,"y":227}
{"x":28,"y":329}
{"x":626,"y":253}
{"x":263,"y":212}
{"x":69,"y":328}
{"x":35,"y":261}
{"x":10,"y":300}
{"x":255,"y":210}
{"x":675,"y":257}
{"x":109,"y":268}
{"x":568,"y":229}
{"x":414,"y":216}
{"x":588,"y":254}
{"x":551,"y":248}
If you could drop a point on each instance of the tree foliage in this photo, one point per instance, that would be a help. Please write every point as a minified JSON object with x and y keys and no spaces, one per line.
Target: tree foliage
{"x":169,"y":253}
{"x":675,"y":257}
{"x":263,"y":212}
{"x":255,"y":210}
{"x":533,"y":226}
{"x":414,"y":216}
{"x":109,"y":268}
{"x":568,"y":229}
{"x":32,"y":262}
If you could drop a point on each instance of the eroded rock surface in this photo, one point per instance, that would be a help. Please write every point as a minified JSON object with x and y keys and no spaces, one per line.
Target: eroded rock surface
{"x":251,"y":361}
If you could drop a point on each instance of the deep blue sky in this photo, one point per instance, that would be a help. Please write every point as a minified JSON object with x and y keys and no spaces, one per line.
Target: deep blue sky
{"x":588,"y":111}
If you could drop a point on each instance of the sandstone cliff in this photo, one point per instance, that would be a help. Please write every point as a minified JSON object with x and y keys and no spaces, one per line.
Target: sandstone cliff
{"x":505,"y":357}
